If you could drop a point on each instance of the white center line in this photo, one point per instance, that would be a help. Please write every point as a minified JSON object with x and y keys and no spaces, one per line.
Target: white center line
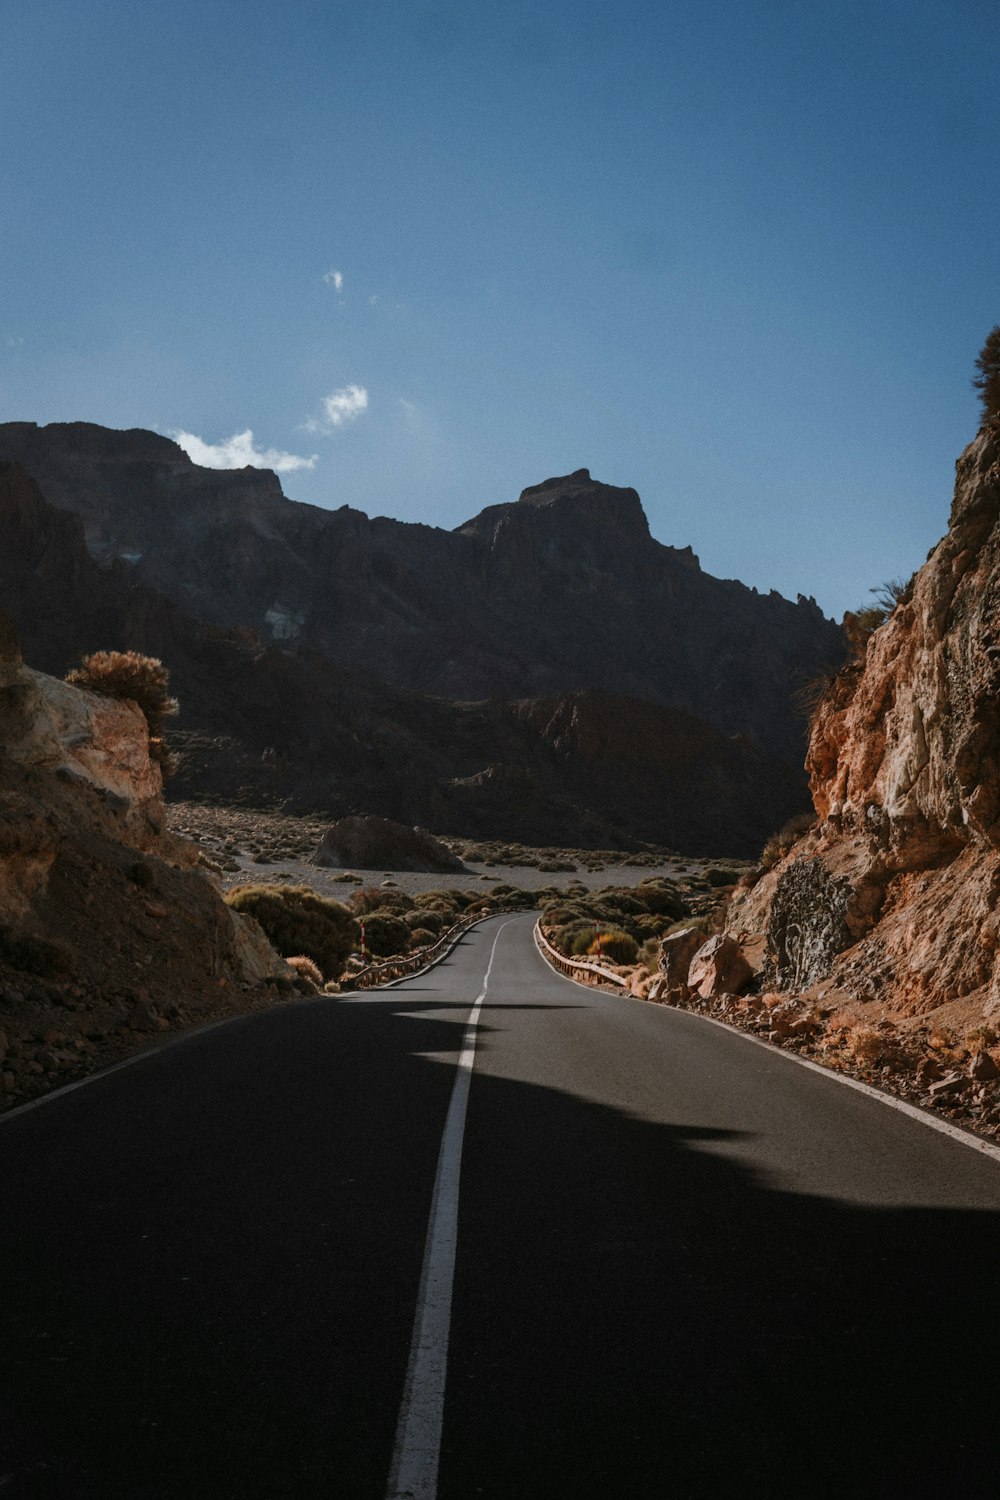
{"x":417,"y":1449}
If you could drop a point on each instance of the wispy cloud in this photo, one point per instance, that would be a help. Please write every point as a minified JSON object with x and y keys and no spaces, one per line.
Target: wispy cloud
{"x":238,"y":451}
{"x":335,"y":279}
{"x":338,"y":409}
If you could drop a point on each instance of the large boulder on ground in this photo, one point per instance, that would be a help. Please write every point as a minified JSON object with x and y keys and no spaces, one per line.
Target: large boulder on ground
{"x":676,"y":952}
{"x":363,"y":843}
{"x":719,"y":968}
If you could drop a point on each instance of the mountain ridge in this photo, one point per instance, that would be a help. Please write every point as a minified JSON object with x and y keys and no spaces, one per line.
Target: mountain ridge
{"x":559,"y":591}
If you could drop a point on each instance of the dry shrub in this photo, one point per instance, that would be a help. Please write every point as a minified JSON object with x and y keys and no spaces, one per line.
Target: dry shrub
{"x":618,"y":947}
{"x":378,"y":898}
{"x":421,"y":937}
{"x":305,"y":967}
{"x":386,"y":934}
{"x":779,"y":844}
{"x":133,"y":678}
{"x":300,"y":923}
{"x":866,"y":1045}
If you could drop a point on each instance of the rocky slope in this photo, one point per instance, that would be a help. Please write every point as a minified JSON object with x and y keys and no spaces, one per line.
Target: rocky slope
{"x":891,"y":906}
{"x":560,"y":591}
{"x":107,"y":931}
{"x":279,"y":725}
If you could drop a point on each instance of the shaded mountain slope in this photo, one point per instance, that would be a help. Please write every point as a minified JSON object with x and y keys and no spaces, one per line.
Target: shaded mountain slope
{"x":283,"y":725}
{"x":560,"y":591}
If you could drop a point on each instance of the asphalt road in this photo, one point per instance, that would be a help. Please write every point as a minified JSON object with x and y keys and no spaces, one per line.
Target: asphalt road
{"x":684,"y":1265}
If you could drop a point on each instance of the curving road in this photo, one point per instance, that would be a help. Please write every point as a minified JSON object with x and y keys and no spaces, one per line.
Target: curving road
{"x":682,"y":1264}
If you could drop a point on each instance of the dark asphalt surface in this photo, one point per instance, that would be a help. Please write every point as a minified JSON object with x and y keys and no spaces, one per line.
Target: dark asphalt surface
{"x":686,"y":1266}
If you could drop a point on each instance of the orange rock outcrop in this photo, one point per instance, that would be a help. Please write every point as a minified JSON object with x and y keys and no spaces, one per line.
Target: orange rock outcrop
{"x":893,"y":900}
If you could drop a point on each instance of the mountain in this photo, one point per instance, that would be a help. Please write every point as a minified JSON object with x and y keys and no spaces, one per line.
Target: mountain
{"x":282,"y":724}
{"x":561,"y":591}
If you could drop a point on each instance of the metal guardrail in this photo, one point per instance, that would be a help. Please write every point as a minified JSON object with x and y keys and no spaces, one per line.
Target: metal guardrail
{"x":572,"y":967}
{"x":413,"y":963}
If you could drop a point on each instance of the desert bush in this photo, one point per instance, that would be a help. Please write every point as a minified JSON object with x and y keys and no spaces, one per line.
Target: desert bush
{"x":299,"y":922}
{"x":305,"y":967}
{"x":579,"y":939}
{"x":617,"y":947}
{"x":422,"y":937}
{"x":661,"y":897}
{"x":789,"y":834}
{"x":425,"y":919}
{"x":386,"y":933}
{"x":378,"y":898}
{"x":649,"y":955}
{"x":134,"y":678}
{"x":866,"y":1045}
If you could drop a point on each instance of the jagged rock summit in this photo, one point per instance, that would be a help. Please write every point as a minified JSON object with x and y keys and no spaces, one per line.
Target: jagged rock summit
{"x":893,"y":902}
{"x":561,"y":590}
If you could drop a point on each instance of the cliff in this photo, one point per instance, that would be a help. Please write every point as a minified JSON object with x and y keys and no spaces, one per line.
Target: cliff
{"x":892,"y":904}
{"x":107,"y":930}
{"x":560,"y":591}
{"x":271,"y":724}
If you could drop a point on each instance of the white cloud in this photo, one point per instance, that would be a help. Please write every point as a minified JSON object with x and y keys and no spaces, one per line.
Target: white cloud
{"x":339,"y":408}
{"x":335,"y":279}
{"x":238,"y":451}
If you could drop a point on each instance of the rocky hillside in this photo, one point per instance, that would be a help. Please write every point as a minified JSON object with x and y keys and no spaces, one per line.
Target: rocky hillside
{"x":891,"y":906}
{"x":560,"y":591}
{"x":107,"y":930}
{"x":278,"y":724}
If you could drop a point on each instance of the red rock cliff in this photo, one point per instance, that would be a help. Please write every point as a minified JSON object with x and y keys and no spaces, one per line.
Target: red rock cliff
{"x":894,"y":898}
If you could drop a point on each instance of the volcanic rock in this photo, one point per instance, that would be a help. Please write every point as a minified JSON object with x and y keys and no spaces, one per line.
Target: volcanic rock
{"x":895,"y":896}
{"x":367,"y":843}
{"x":559,"y":591}
{"x":719,"y":968}
{"x":278,"y":725}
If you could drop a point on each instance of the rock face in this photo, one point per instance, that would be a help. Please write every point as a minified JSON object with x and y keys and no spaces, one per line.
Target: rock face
{"x":80,"y":799}
{"x":895,"y":897}
{"x":267,"y":725}
{"x":365,"y":843}
{"x":561,"y":591}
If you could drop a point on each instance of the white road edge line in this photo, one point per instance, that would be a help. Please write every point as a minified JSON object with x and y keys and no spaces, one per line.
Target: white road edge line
{"x":964,"y":1137}
{"x":417,"y":1448}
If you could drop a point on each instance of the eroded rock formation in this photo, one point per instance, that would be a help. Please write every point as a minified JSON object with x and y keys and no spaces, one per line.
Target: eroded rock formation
{"x":893,"y":901}
{"x":106,"y":926}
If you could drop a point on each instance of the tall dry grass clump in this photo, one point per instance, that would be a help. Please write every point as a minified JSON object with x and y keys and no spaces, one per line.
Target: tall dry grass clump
{"x":299,"y":923}
{"x":144,"y":680}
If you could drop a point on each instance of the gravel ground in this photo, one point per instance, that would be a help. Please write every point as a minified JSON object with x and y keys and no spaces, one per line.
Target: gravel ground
{"x":250,"y":847}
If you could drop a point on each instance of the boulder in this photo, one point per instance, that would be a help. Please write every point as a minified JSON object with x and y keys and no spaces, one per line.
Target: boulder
{"x":719,"y":968}
{"x":365,"y":843}
{"x":676,"y":953}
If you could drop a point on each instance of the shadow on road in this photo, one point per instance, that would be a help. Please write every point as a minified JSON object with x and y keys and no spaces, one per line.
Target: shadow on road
{"x":210,"y":1264}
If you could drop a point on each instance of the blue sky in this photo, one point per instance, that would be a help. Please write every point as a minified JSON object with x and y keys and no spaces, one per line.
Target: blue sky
{"x":740,"y":254}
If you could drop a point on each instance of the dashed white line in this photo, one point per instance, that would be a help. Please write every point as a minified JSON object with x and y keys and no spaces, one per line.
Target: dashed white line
{"x":417,"y":1449}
